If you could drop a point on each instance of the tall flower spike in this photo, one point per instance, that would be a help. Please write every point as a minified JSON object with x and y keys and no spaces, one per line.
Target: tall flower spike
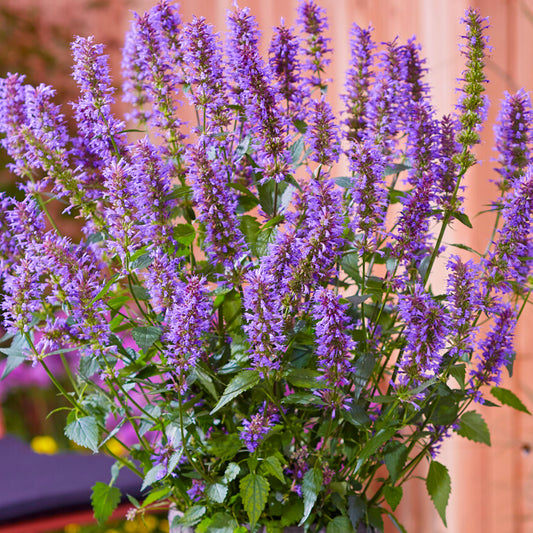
{"x":358,"y":80}
{"x":100,"y":136}
{"x":286,"y":69}
{"x":254,"y":92}
{"x":426,"y":329}
{"x":472,"y":105}
{"x":204,"y":71}
{"x":255,"y":429}
{"x":322,"y":135}
{"x":417,"y":88}
{"x":313,"y":21}
{"x":514,"y":135}
{"x":449,"y":149}
{"x":150,"y":62}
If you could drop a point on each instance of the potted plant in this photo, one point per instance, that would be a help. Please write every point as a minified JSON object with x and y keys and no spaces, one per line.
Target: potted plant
{"x":262,"y":336}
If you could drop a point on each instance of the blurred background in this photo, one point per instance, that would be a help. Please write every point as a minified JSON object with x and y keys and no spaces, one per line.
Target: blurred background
{"x":492,"y":488}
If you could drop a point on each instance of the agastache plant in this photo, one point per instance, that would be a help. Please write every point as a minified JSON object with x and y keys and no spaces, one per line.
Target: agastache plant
{"x":267,"y":331}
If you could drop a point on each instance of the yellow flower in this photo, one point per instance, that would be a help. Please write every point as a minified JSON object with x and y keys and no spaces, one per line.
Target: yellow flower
{"x":44,"y":444}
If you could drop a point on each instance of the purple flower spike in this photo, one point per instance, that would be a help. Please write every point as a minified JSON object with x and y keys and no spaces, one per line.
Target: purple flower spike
{"x":314,"y":23}
{"x":415,"y":71}
{"x":322,"y":134}
{"x":449,"y":149}
{"x":358,"y":80}
{"x":255,"y":429}
{"x":514,"y":134}
{"x":255,"y":93}
{"x":426,"y":329}
{"x":100,"y":133}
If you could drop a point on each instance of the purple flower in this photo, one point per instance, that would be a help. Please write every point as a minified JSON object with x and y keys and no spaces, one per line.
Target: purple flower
{"x":426,"y":328}
{"x":472,"y":105}
{"x":209,"y":180}
{"x":368,"y":192}
{"x":204,"y":70}
{"x":254,"y":91}
{"x":322,"y":135}
{"x":196,"y":492}
{"x":514,"y":134}
{"x":255,"y":429}
{"x":449,"y":149}
{"x":313,"y":22}
{"x":358,"y":80}
{"x":100,"y":136}
{"x":334,"y":347}
{"x":188,"y":322}
{"x":264,"y":321}
{"x":417,"y":89}
{"x":496,"y":349}
{"x":286,"y":70}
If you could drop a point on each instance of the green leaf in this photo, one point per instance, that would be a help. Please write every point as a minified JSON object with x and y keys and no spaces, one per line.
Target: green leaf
{"x":217,"y":492}
{"x":153,"y":475}
{"x":140,"y":293}
{"x":105,"y":500}
{"x":297,"y":149}
{"x":254,"y":494}
{"x":344,"y":181}
{"x":231,"y":473}
{"x":241,"y":382}
{"x":473,"y":427}
{"x":224,"y":446}
{"x":143,"y":261}
{"x":243,"y":148}
{"x":438,"y":485}
{"x":311,"y":485}
{"x":395,"y":169}
{"x":508,"y":397}
{"x":184,"y":234}
{"x":373,"y":445}
{"x":462,"y":218}
{"x":272,"y":466}
{"x":362,"y":371}
{"x":356,"y":509}
{"x":340,"y":524}
{"x":305,"y":378}
{"x":395,"y":457}
{"x":105,"y":288}
{"x":190,"y":517}
{"x":292,"y":514}
{"x":300,"y":398}
{"x":221,"y":523}
{"x":393,"y":495}
{"x":156,"y":495}
{"x":206,"y":381}
{"x":84,"y":432}
{"x":459,"y":373}
{"x":300,"y":125}
{"x":16,"y":354}
{"x":146,"y":336}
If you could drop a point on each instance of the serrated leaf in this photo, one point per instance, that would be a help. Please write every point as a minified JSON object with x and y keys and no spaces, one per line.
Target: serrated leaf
{"x":190,"y":517}
{"x":241,"y":382}
{"x":254,"y":494}
{"x":184,"y":234}
{"x":459,"y":373}
{"x":473,"y":427}
{"x":311,"y":485}
{"x":156,"y":473}
{"x":340,"y":524}
{"x":509,"y":398}
{"x":438,"y":485}
{"x":105,"y":500}
{"x":356,"y":509}
{"x":373,"y":445}
{"x":84,"y":432}
{"x":296,"y":149}
{"x":231,"y":473}
{"x":272,"y":466}
{"x":16,"y":354}
{"x":305,"y":378}
{"x":145,"y":336}
{"x":220,"y":523}
{"x":224,"y":446}
{"x":156,"y":495}
{"x":395,"y":457}
{"x":393,"y":495}
{"x":292,"y":514}
{"x":462,"y":218}
{"x":300,"y":398}
{"x":143,"y":261}
{"x":217,"y":492}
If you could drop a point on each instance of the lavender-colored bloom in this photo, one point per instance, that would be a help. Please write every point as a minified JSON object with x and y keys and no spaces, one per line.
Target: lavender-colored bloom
{"x":151,"y":58}
{"x":449,"y":148}
{"x":368,"y":192}
{"x":334,"y":347}
{"x":255,"y":429}
{"x":264,"y":321}
{"x":496,"y":350}
{"x":286,"y":70}
{"x":209,"y":179}
{"x":426,"y":328}
{"x":253,"y":90}
{"x":388,"y":97}
{"x":417,"y":89}
{"x":322,"y":135}
{"x":472,"y":105}
{"x":8,"y":246}
{"x":465,"y":303}
{"x":204,"y":70}
{"x":421,"y":149}
{"x":100,"y":136}
{"x":510,"y":260}
{"x":358,"y":80}
{"x":283,"y":256}
{"x":196,"y":492}
{"x":313,"y":21}
{"x":188,"y":322}
{"x":514,"y":134}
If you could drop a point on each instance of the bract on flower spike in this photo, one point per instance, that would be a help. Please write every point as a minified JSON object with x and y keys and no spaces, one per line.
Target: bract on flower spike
{"x":322,"y":135}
